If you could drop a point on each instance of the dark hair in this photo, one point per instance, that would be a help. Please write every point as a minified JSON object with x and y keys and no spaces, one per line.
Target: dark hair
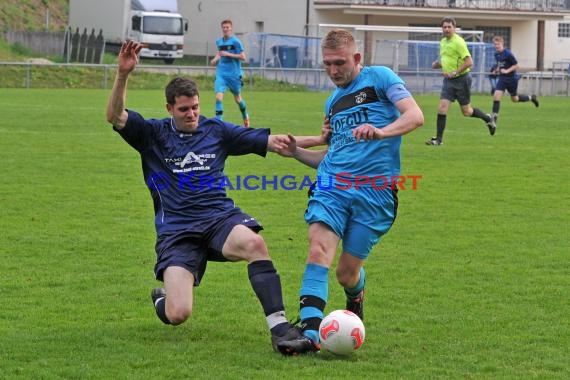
{"x":450,"y":20}
{"x":227,"y":21}
{"x":180,"y":87}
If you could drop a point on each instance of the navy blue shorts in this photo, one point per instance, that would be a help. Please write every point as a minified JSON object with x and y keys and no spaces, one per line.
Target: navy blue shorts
{"x":509,"y":83}
{"x":192,"y":249}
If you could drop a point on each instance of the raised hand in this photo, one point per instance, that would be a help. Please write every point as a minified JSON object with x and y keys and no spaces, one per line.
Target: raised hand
{"x":129,"y":56}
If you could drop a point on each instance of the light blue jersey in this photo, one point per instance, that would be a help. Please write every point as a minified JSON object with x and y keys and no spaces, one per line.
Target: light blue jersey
{"x":227,"y":66}
{"x":369,"y":98}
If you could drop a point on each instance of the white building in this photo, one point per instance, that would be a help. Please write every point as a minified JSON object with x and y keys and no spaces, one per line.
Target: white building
{"x":537,"y":31}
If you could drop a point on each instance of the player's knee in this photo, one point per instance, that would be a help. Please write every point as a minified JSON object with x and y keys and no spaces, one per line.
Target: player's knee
{"x":256,"y":246}
{"x":317,"y":253}
{"x":178,"y":314}
{"x":346,"y":277}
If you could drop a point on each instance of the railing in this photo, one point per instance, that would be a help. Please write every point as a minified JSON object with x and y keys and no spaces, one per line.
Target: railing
{"x":29,"y":75}
{"x":523,"y":5}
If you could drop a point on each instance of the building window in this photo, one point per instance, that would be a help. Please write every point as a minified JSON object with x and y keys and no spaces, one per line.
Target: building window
{"x":492,"y":31}
{"x":564,"y":30}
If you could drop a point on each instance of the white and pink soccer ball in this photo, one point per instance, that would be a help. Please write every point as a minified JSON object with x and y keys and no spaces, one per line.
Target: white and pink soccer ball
{"x":341,"y":332}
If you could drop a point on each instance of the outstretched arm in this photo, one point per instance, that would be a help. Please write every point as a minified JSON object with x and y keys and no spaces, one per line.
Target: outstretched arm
{"x":128,"y":59}
{"x":289,"y":148}
{"x":311,"y":141}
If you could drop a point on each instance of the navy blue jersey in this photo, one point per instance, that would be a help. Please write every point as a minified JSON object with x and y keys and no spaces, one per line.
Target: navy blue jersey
{"x":505,"y":60}
{"x":185,"y":171}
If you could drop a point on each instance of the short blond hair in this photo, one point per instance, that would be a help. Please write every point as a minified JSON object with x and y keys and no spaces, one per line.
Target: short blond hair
{"x":338,"y":38}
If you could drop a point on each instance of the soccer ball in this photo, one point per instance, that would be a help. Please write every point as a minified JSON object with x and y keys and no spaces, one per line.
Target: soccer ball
{"x":341,"y":332}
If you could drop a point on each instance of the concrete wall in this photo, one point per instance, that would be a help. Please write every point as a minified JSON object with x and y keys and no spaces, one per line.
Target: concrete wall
{"x":289,"y":17}
{"x":248,"y":16}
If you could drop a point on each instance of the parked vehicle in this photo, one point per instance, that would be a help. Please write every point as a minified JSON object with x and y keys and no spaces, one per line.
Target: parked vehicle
{"x":154,"y":23}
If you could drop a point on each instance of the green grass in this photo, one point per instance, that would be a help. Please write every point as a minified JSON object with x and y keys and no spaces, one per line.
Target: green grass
{"x":472,"y":281}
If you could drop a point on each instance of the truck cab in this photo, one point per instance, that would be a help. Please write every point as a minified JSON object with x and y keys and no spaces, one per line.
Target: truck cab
{"x":160,"y":33}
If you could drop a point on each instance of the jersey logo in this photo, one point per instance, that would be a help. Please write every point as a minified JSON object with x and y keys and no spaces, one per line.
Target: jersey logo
{"x":362,"y":96}
{"x":191,"y":157}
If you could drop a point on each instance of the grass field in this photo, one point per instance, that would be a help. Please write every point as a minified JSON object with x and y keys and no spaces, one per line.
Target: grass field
{"x":472,"y":282}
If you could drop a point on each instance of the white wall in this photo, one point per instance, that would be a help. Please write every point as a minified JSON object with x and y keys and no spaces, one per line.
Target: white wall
{"x":289,"y":17}
{"x":556,"y":49}
{"x":277,"y":16}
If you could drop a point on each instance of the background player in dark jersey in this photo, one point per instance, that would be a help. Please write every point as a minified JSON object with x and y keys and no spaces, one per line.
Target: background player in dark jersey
{"x":507,"y":77}
{"x":455,"y":63}
{"x":183,"y":159}
{"x":368,"y":113}
{"x":228,"y":70}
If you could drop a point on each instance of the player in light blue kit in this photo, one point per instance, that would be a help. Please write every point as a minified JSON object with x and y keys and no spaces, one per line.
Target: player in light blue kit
{"x":368,"y":113}
{"x":228,"y":71}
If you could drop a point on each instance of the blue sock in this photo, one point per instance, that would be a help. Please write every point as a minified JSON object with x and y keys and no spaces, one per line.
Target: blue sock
{"x":242,"y":108}
{"x":219,"y":109}
{"x":313,"y":299}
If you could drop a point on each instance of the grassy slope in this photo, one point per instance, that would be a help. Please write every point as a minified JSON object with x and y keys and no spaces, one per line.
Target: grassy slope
{"x":31,"y":14}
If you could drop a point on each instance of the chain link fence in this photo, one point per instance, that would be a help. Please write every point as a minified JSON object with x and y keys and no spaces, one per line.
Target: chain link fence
{"x":68,"y":75}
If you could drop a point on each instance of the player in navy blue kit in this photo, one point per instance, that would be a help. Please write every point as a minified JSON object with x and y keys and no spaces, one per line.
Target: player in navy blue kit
{"x":228,"y":71}
{"x":368,"y":113}
{"x":183,"y":159}
{"x":507,"y":77}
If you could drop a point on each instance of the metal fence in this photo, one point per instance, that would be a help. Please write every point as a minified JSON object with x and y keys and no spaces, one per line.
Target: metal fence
{"x":31,"y":75}
{"x":524,"y":5}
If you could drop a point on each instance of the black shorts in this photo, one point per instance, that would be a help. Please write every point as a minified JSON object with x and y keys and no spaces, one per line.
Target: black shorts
{"x":458,"y":88}
{"x":193,"y":249}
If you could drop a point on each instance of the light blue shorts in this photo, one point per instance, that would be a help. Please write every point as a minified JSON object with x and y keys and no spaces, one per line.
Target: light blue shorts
{"x":233,"y":83}
{"x":359,"y":217}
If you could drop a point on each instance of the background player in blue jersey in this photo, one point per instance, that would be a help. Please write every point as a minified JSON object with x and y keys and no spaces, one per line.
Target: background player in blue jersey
{"x":455,"y":63}
{"x":183,"y":158}
{"x":228,"y":71}
{"x":368,"y":113}
{"x":507,"y":77}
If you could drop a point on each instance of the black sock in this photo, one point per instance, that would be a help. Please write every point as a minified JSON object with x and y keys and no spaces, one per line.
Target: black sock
{"x":267,"y":286}
{"x":524,"y":98}
{"x":160,"y":308}
{"x":480,"y":115}
{"x":496,"y":106}
{"x":441,"y":120}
